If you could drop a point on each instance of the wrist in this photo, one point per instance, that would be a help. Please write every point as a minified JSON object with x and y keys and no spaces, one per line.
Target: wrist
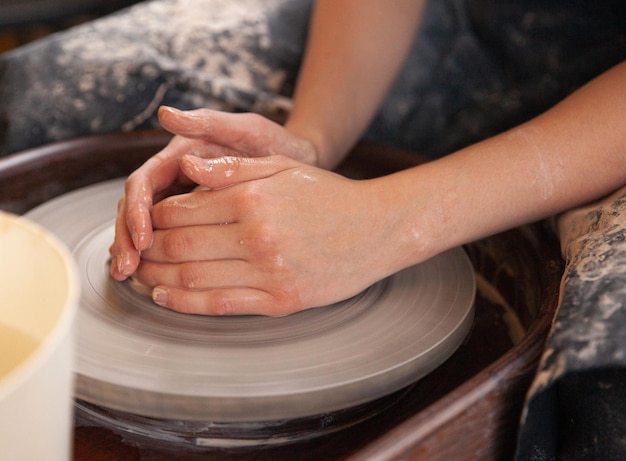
{"x":413,"y":228}
{"x":320,"y":150}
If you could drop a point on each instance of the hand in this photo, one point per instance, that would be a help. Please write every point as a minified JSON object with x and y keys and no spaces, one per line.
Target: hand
{"x":204,"y":133}
{"x":269,"y":236}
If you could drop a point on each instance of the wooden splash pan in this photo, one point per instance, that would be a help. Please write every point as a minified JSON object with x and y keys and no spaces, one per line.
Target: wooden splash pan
{"x":468,"y":408}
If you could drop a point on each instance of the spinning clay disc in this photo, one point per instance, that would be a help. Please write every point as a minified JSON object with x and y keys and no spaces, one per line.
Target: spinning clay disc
{"x":137,"y":357}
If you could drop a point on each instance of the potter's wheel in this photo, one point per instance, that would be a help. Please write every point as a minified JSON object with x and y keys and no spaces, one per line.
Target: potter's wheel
{"x":139,"y":359}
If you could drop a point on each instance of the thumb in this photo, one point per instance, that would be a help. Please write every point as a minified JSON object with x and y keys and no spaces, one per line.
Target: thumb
{"x":216,"y":173}
{"x":194,"y":124}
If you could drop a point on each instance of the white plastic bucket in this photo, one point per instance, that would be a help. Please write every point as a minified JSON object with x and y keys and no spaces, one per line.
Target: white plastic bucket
{"x":39,"y":291}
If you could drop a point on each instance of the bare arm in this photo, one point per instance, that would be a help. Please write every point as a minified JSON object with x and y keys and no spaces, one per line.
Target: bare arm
{"x":570,"y":155}
{"x":354,"y":51}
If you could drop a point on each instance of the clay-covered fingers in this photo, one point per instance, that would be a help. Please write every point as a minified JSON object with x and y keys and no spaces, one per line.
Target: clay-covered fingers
{"x":197,"y":243}
{"x":160,"y":176}
{"x":238,"y":134}
{"x":226,"y":171}
{"x":124,"y":256}
{"x":237,"y":131}
{"x":157,"y":177}
{"x":192,"y":209}
{"x":220,"y":287}
{"x":200,"y":275}
{"x":133,"y":224}
{"x":205,"y":134}
{"x":225,"y":301}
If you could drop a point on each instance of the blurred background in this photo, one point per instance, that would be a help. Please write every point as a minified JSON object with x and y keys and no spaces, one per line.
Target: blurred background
{"x":22,"y":21}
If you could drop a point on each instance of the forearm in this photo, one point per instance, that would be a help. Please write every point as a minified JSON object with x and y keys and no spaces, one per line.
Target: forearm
{"x":570,"y":155}
{"x":355,"y":49}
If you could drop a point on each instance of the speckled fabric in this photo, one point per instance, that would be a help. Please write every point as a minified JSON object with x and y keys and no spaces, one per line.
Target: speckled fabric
{"x":114,"y":73}
{"x":477,"y":67}
{"x":577,"y":404}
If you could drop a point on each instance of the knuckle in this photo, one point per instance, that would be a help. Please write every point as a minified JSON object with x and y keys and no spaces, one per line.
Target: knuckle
{"x":164,"y":211}
{"x":224,"y":305}
{"x":248,"y":201}
{"x":190,"y":276}
{"x":263,"y":238}
{"x":174,"y":245}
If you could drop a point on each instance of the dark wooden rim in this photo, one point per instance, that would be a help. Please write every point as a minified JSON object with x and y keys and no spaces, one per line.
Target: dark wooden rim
{"x":497,"y":391}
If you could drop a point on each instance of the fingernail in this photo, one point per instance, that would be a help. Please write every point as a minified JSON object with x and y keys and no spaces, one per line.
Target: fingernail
{"x":169,"y":109}
{"x":123,"y":264}
{"x":119,"y":260}
{"x":140,"y":241}
{"x":114,"y":266}
{"x":128,"y":270}
{"x":191,"y":164}
{"x":137,"y":238}
{"x":159,"y":296}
